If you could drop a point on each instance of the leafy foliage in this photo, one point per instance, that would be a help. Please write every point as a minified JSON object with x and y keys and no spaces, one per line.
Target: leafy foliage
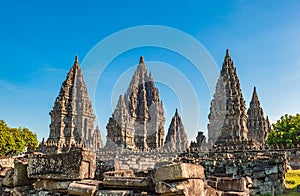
{"x":14,"y":141}
{"x":286,"y":131}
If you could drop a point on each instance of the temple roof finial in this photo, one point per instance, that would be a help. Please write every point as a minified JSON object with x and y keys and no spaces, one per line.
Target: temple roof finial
{"x":176,"y":112}
{"x":254,"y":96}
{"x":76,"y":59}
{"x":142,"y":60}
{"x":227,"y":53}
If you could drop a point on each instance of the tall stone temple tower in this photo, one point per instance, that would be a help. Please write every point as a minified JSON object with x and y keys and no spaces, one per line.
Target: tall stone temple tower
{"x":258,"y":125}
{"x":176,"y":139}
{"x":72,"y":116}
{"x":138,"y":119}
{"x":227,"y":118}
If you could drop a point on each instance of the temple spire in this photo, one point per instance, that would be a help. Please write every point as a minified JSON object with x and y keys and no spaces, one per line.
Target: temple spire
{"x":76,"y":60}
{"x":227,"y":53}
{"x":227,"y":118}
{"x":176,"y":139}
{"x":72,"y":116}
{"x":142,"y":60}
{"x":144,"y":118}
{"x":254,"y":96}
{"x":257,"y":124}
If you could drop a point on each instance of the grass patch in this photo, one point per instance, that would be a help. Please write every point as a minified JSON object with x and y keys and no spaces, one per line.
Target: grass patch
{"x":292,"y":179}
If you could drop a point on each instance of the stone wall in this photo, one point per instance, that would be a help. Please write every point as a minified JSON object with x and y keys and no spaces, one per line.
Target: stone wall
{"x":137,"y":160}
{"x":265,"y":169}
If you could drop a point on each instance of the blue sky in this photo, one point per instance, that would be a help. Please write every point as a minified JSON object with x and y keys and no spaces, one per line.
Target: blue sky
{"x":40,"y":39}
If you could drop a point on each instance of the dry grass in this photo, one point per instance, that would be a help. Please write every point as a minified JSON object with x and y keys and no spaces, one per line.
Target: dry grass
{"x":292,"y":179}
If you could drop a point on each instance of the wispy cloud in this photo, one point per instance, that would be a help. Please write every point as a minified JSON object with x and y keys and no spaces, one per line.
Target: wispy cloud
{"x":50,"y":68}
{"x":8,"y":85}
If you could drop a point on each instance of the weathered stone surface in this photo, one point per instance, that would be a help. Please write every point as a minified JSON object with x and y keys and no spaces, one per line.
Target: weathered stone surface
{"x":17,"y":176}
{"x":114,"y":193}
{"x":200,"y":141}
{"x":232,"y":193}
{"x":271,"y":170}
{"x":125,"y":180}
{"x":105,"y":166}
{"x":6,"y":162}
{"x":134,"y":183}
{"x":176,"y":139}
{"x":51,"y":185}
{"x":138,"y":119}
{"x":20,"y":176}
{"x":120,"y":173}
{"x":15,"y":191}
{"x":8,"y":179}
{"x":81,"y":188}
{"x":208,"y":190}
{"x":227,"y":118}
{"x":258,"y":126}
{"x":72,"y":116}
{"x":265,"y":170}
{"x":182,"y":187}
{"x":74,"y":165}
{"x":231,"y":184}
{"x":4,"y":170}
{"x":259,"y":174}
{"x":179,"y":171}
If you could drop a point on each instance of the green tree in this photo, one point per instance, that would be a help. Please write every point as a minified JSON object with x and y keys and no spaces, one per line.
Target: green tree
{"x":30,"y":138}
{"x":285,"y":131}
{"x":13,"y":141}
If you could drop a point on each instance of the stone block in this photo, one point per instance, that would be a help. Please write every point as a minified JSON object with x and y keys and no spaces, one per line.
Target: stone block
{"x":260,"y":174}
{"x":74,"y":165}
{"x":15,"y":191}
{"x":208,"y":190}
{"x":179,"y":171}
{"x":134,"y":183}
{"x":114,"y":193}
{"x":6,"y":162}
{"x":232,"y":184}
{"x":82,"y":189}
{"x":257,"y":183}
{"x":20,"y":176}
{"x":17,"y":176}
{"x":4,"y":170}
{"x":52,"y":185}
{"x":182,"y":187}
{"x":105,"y":166}
{"x":213,"y":184}
{"x":232,"y":193}
{"x":271,"y":170}
{"x":8,"y":179}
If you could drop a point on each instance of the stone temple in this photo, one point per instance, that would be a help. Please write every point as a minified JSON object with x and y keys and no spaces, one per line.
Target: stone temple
{"x":138,"y":119}
{"x":72,"y":117}
{"x":258,"y":125}
{"x":176,"y":139}
{"x":229,"y":124}
{"x":228,"y":117}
